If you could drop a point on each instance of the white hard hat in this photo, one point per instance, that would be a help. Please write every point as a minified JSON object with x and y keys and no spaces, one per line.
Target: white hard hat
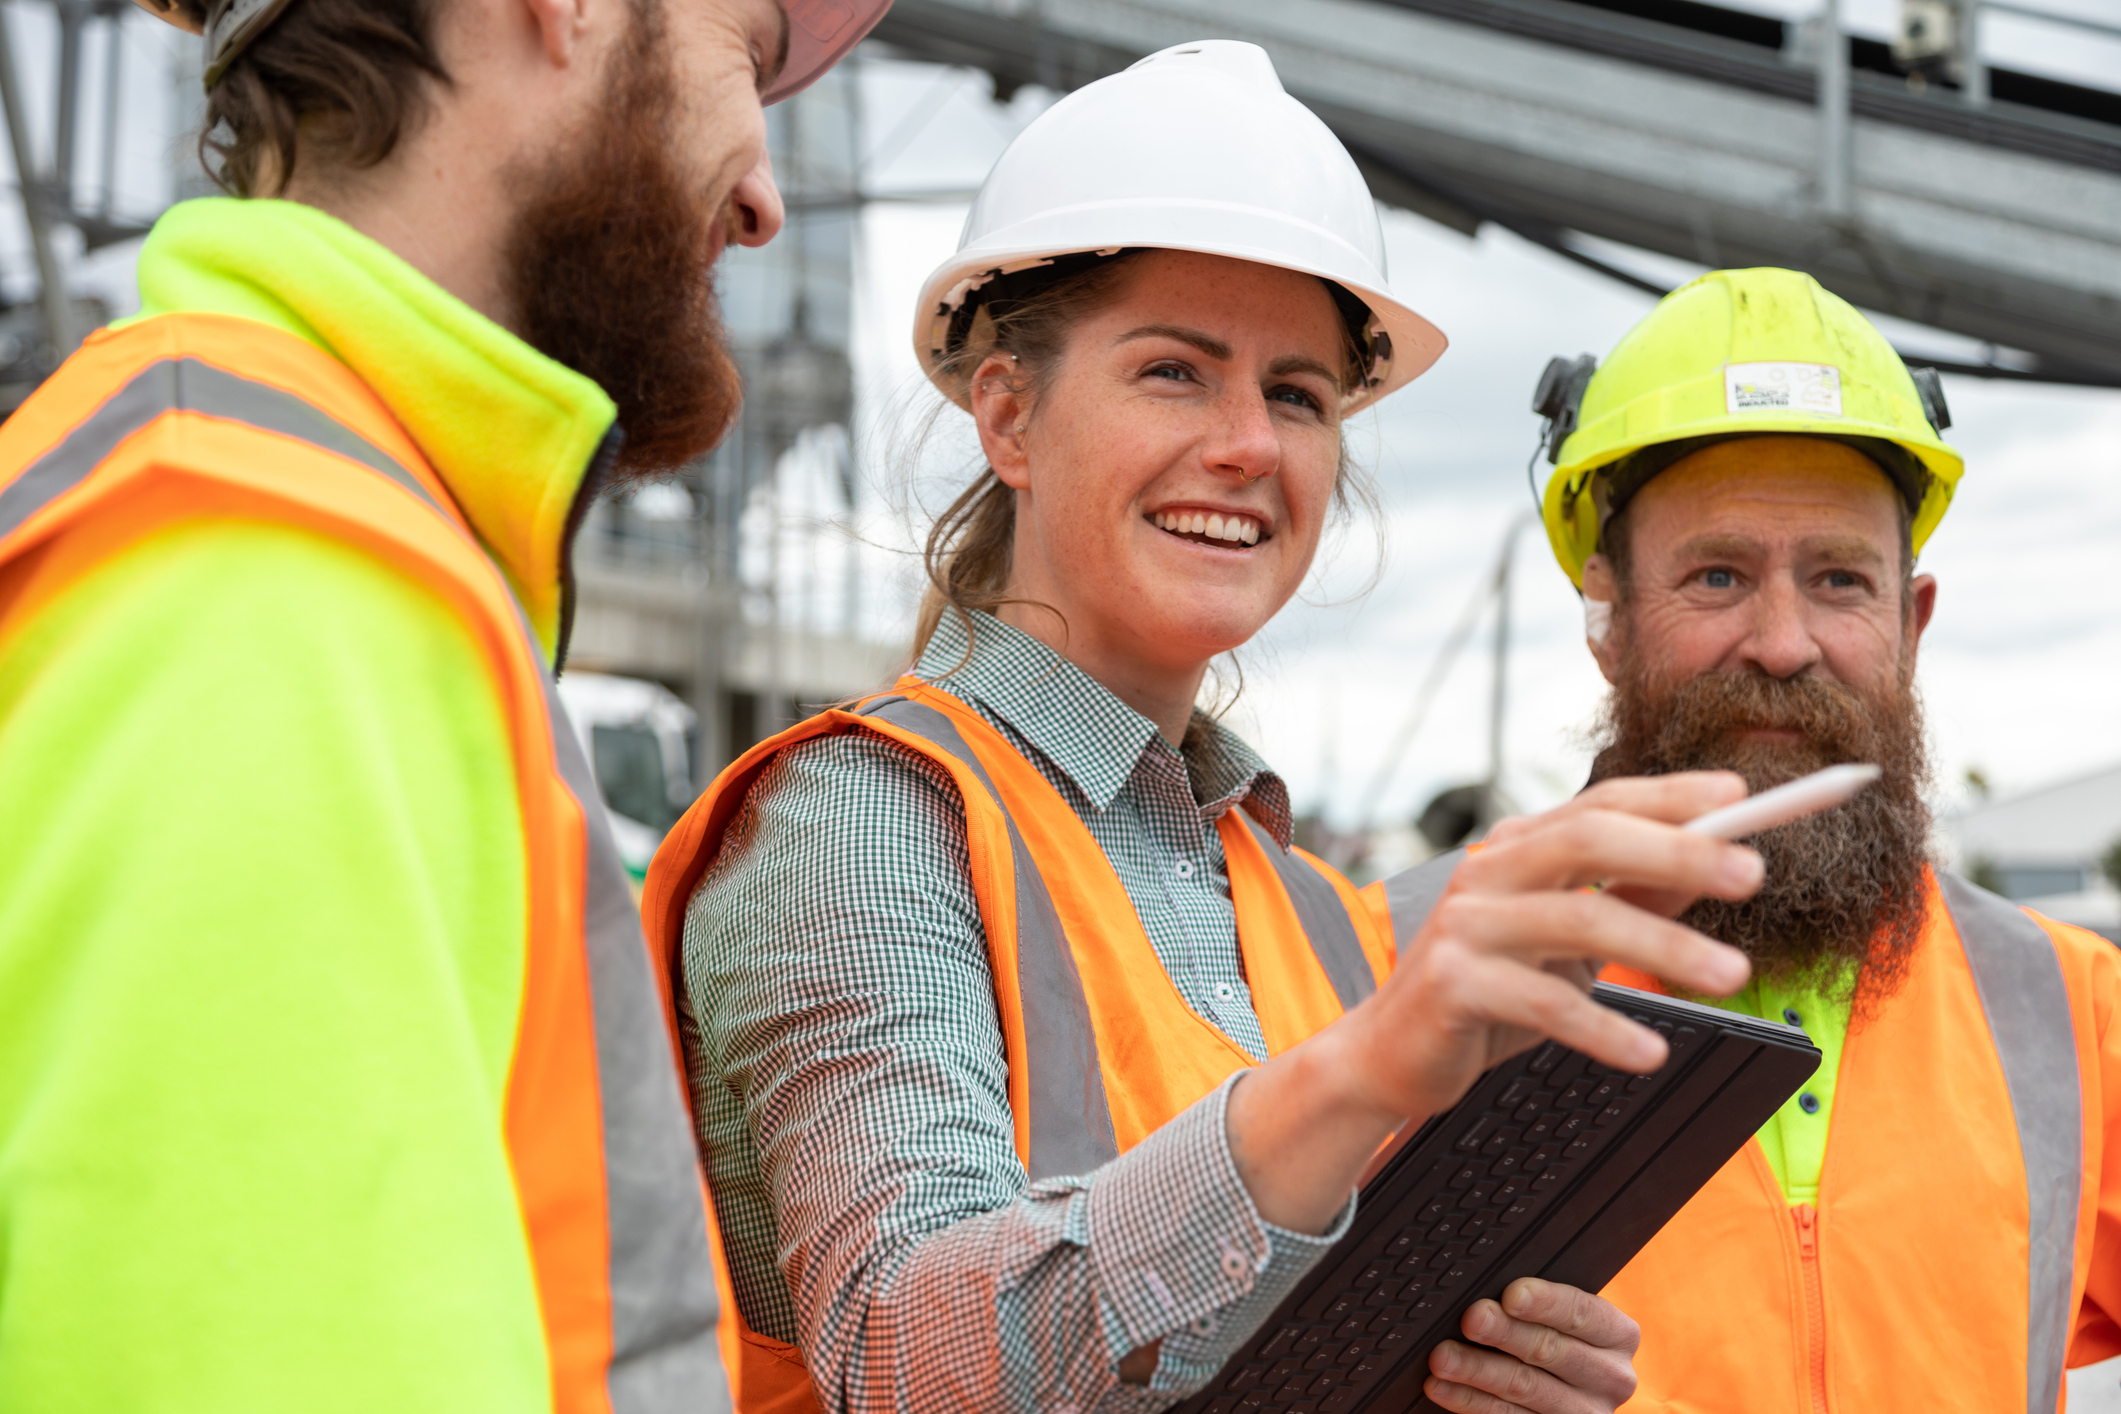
{"x":1194,"y":148}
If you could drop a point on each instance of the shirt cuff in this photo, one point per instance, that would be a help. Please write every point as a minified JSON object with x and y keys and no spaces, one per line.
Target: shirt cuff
{"x":1182,"y":1255}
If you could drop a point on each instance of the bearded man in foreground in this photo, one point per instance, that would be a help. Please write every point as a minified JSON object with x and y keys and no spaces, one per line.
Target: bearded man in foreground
{"x":1934,"y":1221}
{"x":333,"y":1075}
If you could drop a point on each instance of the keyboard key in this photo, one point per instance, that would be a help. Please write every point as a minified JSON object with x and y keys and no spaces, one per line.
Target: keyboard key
{"x":1404,"y":1243}
{"x":1516,"y":1094}
{"x":1486,"y":1243}
{"x":1542,"y":1156}
{"x":1456,"y":1275}
{"x":1509,"y":1163}
{"x":1436,"y":1208}
{"x":1474,"y":1137}
{"x":1472,"y":1226}
{"x":1281,"y":1370}
{"x":1572,"y":1126}
{"x":1551,"y":1178}
{"x":1325,"y":1355}
{"x":1508,"y":1193}
{"x":1612,"y":1112}
{"x":1573,"y":1096}
{"x":1444,"y":1230}
{"x":1603,"y":1095}
{"x":1246,"y":1378}
{"x":1640,"y":1083}
{"x":1384,"y":1291}
{"x":1543,"y":1059}
{"x":1500,"y":1140}
{"x":1283,"y":1342}
{"x":1582,"y":1146}
{"x":1388,"y":1318}
{"x":1354,"y":1326}
{"x":1223,"y":1405}
{"x":1541,"y":1129}
{"x":1343,"y":1306}
{"x":1374,"y":1273}
{"x":1413,"y":1262}
{"x":1683,"y":1039}
{"x":1517,"y":1212}
{"x":1472,"y":1173}
{"x":1475,"y":1196}
{"x":1308,"y":1342}
{"x":1397,"y":1341}
{"x":1445,"y":1256}
{"x":1342,"y":1398}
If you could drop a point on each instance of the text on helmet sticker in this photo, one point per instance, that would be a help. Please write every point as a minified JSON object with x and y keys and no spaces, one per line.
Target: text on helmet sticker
{"x":1813,"y":388}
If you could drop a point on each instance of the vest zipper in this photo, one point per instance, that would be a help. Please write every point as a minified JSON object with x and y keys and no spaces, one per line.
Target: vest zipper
{"x":1814,"y":1302}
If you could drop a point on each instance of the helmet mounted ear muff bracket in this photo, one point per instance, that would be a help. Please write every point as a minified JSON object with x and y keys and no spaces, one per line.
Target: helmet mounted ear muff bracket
{"x":1558,"y":399}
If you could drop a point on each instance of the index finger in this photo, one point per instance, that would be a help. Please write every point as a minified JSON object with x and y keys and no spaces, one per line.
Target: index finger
{"x":1674,"y":799}
{"x":1571,"y":1311}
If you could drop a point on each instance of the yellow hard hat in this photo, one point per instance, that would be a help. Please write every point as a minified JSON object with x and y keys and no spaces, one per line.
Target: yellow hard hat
{"x":1736,"y":353}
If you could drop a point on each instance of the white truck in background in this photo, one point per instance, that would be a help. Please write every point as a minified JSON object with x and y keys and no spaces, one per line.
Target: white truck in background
{"x":639,"y":738}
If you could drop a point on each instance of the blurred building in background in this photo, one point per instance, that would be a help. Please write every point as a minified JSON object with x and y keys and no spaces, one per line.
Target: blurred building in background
{"x":2057,"y":848}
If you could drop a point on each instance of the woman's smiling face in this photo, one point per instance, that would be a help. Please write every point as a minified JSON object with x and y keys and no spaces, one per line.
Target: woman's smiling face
{"x":1174,"y":471}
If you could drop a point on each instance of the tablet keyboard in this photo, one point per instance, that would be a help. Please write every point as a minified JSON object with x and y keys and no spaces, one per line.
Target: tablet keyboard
{"x":1541,"y":1118}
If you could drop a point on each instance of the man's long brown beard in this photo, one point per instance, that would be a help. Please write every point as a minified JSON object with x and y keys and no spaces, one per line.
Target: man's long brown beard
{"x":605,"y":267}
{"x":1843,"y":906}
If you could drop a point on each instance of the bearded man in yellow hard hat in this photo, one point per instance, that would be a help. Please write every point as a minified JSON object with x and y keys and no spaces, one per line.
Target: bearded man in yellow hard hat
{"x":333,"y":1074}
{"x":1740,"y":492}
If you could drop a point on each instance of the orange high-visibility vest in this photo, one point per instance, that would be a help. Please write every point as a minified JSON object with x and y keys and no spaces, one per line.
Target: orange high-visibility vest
{"x":189,"y":415}
{"x":1102,"y":1049}
{"x":1947,"y":1263}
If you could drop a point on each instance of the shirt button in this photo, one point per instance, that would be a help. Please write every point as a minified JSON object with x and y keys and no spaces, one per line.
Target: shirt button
{"x":1808,"y":1102}
{"x":1225,"y":991}
{"x":1234,"y":1264}
{"x":1789,"y":1014}
{"x":1184,"y":868}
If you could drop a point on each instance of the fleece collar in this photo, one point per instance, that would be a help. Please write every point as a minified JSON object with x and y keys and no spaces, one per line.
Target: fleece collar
{"x":510,"y":432}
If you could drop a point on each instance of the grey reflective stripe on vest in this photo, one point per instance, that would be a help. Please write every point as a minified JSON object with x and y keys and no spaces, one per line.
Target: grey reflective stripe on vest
{"x":1411,"y":894}
{"x":2026,"y":998}
{"x":1071,"y":1120}
{"x":664,"y":1305}
{"x":1324,"y":917}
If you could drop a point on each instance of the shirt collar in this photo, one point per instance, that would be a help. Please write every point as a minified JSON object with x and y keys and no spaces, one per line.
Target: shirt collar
{"x":511,"y":432}
{"x":1076,"y":722}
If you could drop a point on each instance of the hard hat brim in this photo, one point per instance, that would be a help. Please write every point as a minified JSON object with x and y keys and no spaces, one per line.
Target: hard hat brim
{"x":820,"y":32}
{"x":1571,"y":515}
{"x":1416,"y":343}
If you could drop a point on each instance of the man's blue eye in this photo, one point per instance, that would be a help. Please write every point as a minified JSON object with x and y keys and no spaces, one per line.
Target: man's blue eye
{"x":1719,"y":579}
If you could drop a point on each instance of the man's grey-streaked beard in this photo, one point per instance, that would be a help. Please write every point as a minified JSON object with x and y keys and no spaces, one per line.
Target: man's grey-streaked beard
{"x":1844,"y":903}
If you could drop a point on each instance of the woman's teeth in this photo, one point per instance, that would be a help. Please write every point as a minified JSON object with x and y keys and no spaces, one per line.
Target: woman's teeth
{"x":1240,"y":530}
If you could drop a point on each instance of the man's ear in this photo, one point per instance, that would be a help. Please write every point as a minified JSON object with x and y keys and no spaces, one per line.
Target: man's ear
{"x":1601,"y":617}
{"x":1000,"y":410}
{"x":1922,"y":596}
{"x":561,"y":25}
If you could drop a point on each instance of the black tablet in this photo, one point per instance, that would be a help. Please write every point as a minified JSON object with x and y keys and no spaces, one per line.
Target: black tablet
{"x":1552,"y":1166}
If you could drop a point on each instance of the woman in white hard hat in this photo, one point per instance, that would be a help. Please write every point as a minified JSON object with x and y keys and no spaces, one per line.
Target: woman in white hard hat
{"x":1032,"y":1066}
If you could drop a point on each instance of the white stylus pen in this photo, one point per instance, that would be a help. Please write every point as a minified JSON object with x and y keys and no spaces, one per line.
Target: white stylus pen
{"x":1807,"y":795}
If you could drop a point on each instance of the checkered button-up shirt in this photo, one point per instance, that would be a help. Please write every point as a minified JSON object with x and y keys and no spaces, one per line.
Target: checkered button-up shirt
{"x":852,"y":1089}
